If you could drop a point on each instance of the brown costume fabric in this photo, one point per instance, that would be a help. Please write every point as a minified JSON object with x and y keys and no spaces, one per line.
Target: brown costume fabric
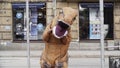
{"x":55,"y":50}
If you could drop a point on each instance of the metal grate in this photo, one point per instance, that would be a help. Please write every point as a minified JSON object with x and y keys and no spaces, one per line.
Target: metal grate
{"x":114,"y":62}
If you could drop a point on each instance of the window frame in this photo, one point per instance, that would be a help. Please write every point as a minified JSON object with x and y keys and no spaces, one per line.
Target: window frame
{"x":24,"y":40}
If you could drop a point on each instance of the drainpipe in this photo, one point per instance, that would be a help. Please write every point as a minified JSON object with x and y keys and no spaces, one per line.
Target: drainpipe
{"x":101,"y":5}
{"x":28,"y":40}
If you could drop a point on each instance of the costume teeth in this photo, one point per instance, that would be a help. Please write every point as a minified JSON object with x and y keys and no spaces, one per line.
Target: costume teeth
{"x":53,"y":31}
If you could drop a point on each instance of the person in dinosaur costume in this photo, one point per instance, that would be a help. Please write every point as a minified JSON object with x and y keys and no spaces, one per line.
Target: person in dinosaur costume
{"x":57,"y":38}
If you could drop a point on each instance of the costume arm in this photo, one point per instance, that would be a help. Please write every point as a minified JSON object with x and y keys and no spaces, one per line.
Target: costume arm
{"x":66,"y":39}
{"x":46,"y":33}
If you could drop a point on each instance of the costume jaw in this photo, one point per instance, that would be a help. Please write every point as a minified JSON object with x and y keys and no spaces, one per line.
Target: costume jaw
{"x":60,"y":30}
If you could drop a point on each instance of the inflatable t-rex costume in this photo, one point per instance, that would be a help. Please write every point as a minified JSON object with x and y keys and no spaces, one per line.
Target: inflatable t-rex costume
{"x":57,"y":38}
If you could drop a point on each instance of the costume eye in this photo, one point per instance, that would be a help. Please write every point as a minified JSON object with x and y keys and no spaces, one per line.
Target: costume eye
{"x":61,"y":11}
{"x":74,"y":19}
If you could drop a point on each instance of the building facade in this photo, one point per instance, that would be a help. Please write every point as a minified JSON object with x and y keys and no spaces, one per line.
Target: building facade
{"x":86,"y":27}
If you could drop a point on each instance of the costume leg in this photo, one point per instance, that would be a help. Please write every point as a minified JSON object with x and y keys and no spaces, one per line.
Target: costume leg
{"x":61,"y":65}
{"x":65,"y":64}
{"x":44,"y":64}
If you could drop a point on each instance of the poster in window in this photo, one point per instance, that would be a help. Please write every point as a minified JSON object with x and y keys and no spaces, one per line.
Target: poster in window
{"x":94,"y":23}
{"x":33,"y":22}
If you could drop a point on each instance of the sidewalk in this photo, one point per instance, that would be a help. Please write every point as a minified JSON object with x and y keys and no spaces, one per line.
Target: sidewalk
{"x":21,"y":62}
{"x":72,"y":53}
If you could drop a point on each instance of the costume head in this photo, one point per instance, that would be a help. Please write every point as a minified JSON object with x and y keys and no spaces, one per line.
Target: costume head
{"x":66,"y":16}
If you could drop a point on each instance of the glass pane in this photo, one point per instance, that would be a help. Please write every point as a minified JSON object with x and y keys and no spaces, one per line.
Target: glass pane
{"x":84,"y":23}
{"x":108,"y":20}
{"x":18,"y":20}
{"x":94,"y":20}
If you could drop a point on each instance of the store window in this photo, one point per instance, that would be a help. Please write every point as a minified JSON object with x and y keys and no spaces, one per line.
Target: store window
{"x":37,"y":22}
{"x":89,"y":21}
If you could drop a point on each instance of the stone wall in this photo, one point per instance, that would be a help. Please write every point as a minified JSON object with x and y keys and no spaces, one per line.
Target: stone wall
{"x":5,"y":21}
{"x":117,"y":21}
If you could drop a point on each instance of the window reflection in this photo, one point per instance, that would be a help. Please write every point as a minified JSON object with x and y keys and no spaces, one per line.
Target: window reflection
{"x":84,"y":23}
